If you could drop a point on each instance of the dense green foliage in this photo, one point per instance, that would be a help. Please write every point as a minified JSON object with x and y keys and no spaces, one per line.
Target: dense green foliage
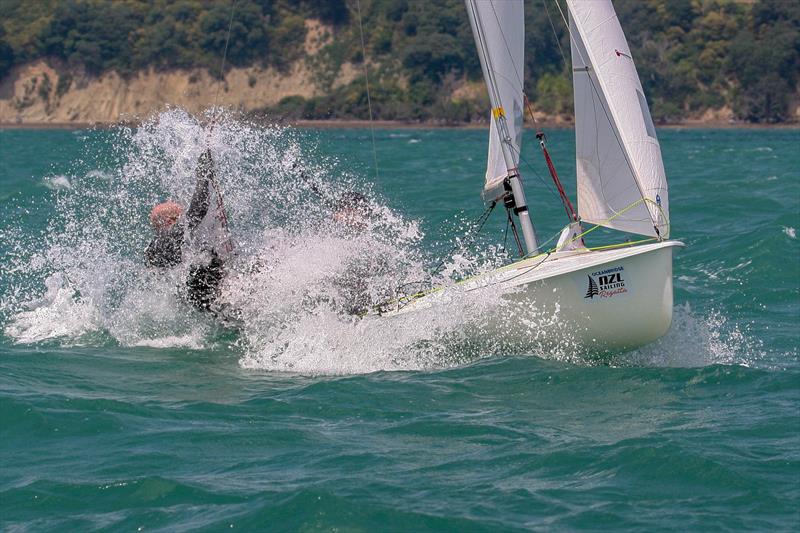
{"x":6,"y":55}
{"x":128,"y":35}
{"x":692,"y":55}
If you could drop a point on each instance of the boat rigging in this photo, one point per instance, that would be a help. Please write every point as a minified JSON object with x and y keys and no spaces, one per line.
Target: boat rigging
{"x":621,"y":185}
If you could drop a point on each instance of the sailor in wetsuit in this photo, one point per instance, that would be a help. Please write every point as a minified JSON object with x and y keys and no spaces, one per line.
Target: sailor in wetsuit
{"x":165,"y":249}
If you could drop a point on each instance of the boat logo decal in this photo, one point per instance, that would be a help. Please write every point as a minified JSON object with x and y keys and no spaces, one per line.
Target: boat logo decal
{"x":592,"y":292}
{"x":606,"y":283}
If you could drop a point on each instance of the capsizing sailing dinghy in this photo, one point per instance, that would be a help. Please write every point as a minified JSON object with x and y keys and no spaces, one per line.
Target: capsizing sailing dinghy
{"x":615,"y":297}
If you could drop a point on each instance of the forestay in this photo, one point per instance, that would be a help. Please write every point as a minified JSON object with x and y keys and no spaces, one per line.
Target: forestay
{"x":617,"y":151}
{"x":499,"y":32}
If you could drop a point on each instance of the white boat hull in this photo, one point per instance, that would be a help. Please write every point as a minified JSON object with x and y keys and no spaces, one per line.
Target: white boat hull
{"x":592,"y":301}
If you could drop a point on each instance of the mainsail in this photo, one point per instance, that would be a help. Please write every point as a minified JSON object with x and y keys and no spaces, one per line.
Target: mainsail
{"x":499,"y":31}
{"x":621,"y":178}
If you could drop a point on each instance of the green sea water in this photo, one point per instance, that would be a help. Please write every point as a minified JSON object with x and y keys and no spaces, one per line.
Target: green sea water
{"x":120,"y":409}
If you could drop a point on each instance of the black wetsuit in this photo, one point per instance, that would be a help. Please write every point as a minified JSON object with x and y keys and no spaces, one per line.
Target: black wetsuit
{"x":164,"y":250}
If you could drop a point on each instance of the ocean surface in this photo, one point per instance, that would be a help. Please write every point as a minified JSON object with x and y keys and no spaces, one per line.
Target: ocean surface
{"x":123,"y":409}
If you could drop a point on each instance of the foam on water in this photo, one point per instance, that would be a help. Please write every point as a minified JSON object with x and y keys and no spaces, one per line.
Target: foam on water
{"x":291,"y":286}
{"x":57,"y":182}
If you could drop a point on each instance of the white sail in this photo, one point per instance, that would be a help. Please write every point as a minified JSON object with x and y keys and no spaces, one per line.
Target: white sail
{"x":498,"y":26}
{"x":617,"y":151}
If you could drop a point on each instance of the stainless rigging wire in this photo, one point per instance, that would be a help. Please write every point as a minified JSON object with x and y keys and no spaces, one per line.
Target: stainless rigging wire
{"x":555,"y":33}
{"x":222,"y":64}
{"x":366,"y":80}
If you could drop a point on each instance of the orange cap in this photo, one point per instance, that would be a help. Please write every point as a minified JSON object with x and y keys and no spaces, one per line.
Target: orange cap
{"x":165,"y":215}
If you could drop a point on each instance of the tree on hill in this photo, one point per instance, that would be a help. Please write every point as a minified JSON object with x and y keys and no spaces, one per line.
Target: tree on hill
{"x":692,"y":55}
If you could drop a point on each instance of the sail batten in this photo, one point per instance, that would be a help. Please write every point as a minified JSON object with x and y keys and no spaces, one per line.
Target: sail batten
{"x":621,"y":178}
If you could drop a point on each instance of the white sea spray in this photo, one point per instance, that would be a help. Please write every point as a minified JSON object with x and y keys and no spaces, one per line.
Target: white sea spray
{"x":696,"y":340}
{"x":288,"y":286}
{"x":289,"y":293}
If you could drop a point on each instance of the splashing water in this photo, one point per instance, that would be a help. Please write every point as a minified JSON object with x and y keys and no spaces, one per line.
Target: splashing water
{"x":291,"y":283}
{"x":697,"y":341}
{"x":297,"y":278}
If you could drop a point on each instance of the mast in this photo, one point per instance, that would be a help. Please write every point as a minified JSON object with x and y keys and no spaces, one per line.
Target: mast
{"x":501,"y":54}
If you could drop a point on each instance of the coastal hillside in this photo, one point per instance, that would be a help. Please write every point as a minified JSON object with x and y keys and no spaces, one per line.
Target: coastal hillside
{"x":87,"y":61}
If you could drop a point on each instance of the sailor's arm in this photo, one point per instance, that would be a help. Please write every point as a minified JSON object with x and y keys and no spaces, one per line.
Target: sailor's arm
{"x":198,"y":207}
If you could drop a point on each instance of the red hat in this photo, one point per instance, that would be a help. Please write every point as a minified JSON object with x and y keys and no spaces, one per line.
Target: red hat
{"x":165,"y":215}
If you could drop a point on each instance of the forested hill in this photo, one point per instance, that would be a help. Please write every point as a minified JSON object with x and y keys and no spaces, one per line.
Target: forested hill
{"x":695,"y":57}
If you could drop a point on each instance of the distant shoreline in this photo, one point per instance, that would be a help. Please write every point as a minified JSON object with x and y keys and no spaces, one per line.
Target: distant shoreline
{"x":388,"y":124}
{"x":393,"y":124}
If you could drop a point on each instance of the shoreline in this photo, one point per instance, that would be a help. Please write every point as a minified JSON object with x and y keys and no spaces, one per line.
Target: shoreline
{"x":395,"y":124}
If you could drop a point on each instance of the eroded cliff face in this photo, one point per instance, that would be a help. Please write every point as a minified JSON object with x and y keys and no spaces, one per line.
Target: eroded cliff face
{"x":42,"y":93}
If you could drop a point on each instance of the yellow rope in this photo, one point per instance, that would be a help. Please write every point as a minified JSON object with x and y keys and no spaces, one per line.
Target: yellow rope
{"x":409,"y":298}
{"x":620,"y":244}
{"x":619,"y":213}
